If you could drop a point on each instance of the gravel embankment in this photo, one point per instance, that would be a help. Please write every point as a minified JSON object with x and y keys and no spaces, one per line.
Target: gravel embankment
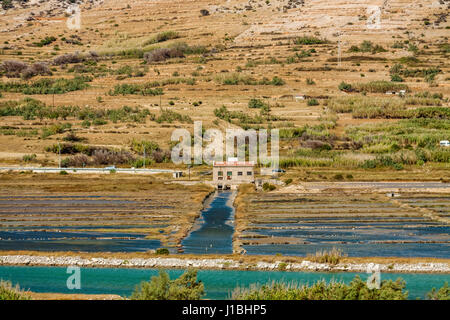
{"x":229,"y":264}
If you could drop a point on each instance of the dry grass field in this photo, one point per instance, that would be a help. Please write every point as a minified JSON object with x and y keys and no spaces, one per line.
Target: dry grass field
{"x":359,"y":90}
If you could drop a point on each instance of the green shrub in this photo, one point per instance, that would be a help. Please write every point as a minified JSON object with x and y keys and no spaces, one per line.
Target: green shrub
{"x":138,"y":146}
{"x":241,"y":117}
{"x":139,"y":163}
{"x":367,"y":46}
{"x":396,"y":78}
{"x":8,"y":292}
{"x":29,"y":158}
{"x":307,"y":40}
{"x":442,"y":294}
{"x":161,"y":287}
{"x":171,"y":116}
{"x":410,"y":60}
{"x":44,"y":42}
{"x":356,"y":290}
{"x":162,"y":36}
{"x":99,"y":122}
{"x":304,"y":162}
{"x":268,"y":187}
{"x":162,"y":251}
{"x":445,"y":48}
{"x":72,"y":137}
{"x":380,"y":86}
{"x":47,"y":85}
{"x":282,"y":266}
{"x":145,"y":90}
{"x":277,"y":81}
{"x":86,"y":124}
{"x":312,"y":102}
{"x":54,"y":129}
{"x":398,"y":45}
{"x":370,"y":107}
{"x":343,"y":86}
{"x":256,"y":103}
{"x":237,"y":78}
{"x":422,"y":133}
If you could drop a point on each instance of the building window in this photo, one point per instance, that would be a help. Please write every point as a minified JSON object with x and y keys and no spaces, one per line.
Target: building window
{"x":249,"y":173}
{"x":220,"y":178}
{"x":220,"y":173}
{"x":239,"y":173}
{"x":229,"y":174}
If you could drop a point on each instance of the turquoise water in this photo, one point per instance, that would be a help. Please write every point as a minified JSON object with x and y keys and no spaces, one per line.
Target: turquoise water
{"x":218,"y":283}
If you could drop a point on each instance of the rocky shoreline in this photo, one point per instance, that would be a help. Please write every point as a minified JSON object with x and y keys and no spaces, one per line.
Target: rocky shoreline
{"x":224,"y":264}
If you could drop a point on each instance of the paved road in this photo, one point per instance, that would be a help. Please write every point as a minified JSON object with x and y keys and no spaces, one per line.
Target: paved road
{"x":380,"y":185}
{"x":85,"y":170}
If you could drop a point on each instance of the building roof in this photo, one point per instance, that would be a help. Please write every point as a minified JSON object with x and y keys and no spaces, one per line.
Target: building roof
{"x":233,"y":164}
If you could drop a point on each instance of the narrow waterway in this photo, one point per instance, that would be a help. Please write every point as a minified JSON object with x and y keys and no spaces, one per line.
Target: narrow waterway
{"x":218,"y":283}
{"x":213,"y":231}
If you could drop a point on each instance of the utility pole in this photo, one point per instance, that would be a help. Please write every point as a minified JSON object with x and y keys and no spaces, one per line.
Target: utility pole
{"x":144,"y":156}
{"x":59,"y":152}
{"x":339,"y":50}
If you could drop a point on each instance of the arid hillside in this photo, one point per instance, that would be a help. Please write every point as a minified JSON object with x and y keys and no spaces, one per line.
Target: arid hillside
{"x":107,"y":78}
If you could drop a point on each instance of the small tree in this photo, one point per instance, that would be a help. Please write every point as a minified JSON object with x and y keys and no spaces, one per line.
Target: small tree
{"x":162,"y":251}
{"x":160,"y":287}
{"x":268,"y":187}
{"x":441,"y":294}
{"x":356,"y":290}
{"x":8,"y":292}
{"x":256,"y":103}
{"x":396,"y":78}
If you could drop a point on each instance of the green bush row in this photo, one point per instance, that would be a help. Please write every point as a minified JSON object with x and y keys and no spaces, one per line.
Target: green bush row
{"x":30,"y":109}
{"x":47,"y":85}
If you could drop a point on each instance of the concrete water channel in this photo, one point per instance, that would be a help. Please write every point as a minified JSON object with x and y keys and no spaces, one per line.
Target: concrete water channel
{"x":213,"y":231}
